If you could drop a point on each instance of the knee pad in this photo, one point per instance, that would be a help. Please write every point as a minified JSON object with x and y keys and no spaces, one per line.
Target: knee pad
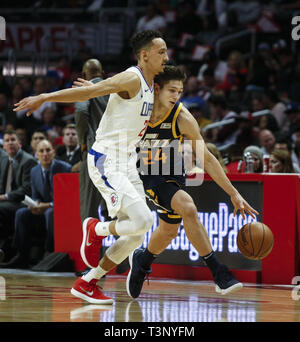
{"x":123,"y":246}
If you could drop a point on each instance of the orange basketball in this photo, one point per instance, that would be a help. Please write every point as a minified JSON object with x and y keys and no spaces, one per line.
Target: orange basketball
{"x":255,"y":240}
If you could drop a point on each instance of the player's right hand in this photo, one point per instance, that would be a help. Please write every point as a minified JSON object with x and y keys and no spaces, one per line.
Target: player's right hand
{"x":32,"y":103}
{"x":81,"y":83}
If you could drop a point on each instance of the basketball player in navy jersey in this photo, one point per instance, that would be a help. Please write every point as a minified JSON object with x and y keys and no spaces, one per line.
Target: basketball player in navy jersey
{"x":160,"y":149}
{"x":112,"y":159}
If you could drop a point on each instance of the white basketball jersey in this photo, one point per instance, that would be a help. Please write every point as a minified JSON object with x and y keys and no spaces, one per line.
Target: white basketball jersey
{"x":125,"y":120}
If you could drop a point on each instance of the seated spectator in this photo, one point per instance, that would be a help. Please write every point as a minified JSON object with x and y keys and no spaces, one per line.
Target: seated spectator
{"x":281,"y":162}
{"x":253,"y":164}
{"x":233,"y":157}
{"x":23,"y":136}
{"x":196,"y":111}
{"x":188,"y":21}
{"x":215,"y":151}
{"x":262,"y":69}
{"x":248,"y":134}
{"x":14,"y":185}
{"x":37,"y":220}
{"x":211,"y":61}
{"x":296,"y":141}
{"x":8,"y":116}
{"x":219,"y":111}
{"x":70,"y":150}
{"x":235,"y":79}
{"x":267,"y":121}
{"x":293,"y":113}
{"x":36,"y":137}
{"x":39,"y":88}
{"x":266,"y":141}
{"x":191,"y":93}
{"x":152,"y":20}
{"x":48,"y":117}
{"x":283,"y":143}
{"x":271,"y":101}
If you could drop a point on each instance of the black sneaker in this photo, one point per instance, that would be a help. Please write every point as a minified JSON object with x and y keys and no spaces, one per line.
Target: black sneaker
{"x":225,"y":281}
{"x":137,"y":274}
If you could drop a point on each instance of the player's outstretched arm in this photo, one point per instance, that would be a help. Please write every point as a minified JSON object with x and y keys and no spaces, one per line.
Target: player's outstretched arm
{"x":123,"y":82}
{"x":189,"y":128}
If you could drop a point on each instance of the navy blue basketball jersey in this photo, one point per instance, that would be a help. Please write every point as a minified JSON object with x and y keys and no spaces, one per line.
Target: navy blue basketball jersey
{"x":160,"y":150}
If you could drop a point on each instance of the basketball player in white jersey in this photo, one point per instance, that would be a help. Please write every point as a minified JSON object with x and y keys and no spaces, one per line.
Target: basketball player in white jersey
{"x":112,"y":159}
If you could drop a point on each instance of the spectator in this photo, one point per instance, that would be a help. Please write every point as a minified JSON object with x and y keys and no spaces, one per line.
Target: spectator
{"x":266,"y":141}
{"x":233,"y":157}
{"x":4,"y":85}
{"x":219,"y":111}
{"x":36,"y":137}
{"x":152,"y":20}
{"x":22,"y":134}
{"x":196,"y":111}
{"x":211,"y":61}
{"x":191,"y":93}
{"x":39,"y":88}
{"x":215,"y":151}
{"x":256,"y":156}
{"x":271,"y":101}
{"x":281,"y":162}
{"x":293,"y":91}
{"x":293,"y":113}
{"x":14,"y":185}
{"x":70,"y":150}
{"x":283,"y":143}
{"x":188,"y":20}
{"x":235,"y":79}
{"x":262,"y":69}
{"x":48,"y":117}
{"x":208,"y":84}
{"x":8,"y":116}
{"x":285,"y":73}
{"x":26,"y":84}
{"x":17,"y":93}
{"x":36,"y":220}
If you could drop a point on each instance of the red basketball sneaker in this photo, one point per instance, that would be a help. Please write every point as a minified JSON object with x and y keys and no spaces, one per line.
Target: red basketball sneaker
{"x":91,"y":243}
{"x":90,"y":292}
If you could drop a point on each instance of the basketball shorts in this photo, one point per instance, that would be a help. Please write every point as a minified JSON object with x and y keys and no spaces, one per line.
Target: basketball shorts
{"x":117,"y":181}
{"x":161,"y":195}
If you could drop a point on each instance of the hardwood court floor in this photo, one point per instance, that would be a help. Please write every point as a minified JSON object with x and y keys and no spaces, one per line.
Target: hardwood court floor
{"x":45,"y":297}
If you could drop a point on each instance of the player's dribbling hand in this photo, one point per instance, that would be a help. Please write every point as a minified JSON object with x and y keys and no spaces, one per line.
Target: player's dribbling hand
{"x":81,"y":83}
{"x":32,"y":103}
{"x":243,"y":206}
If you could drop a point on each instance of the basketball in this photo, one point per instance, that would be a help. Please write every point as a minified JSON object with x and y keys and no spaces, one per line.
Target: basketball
{"x":255,"y":240}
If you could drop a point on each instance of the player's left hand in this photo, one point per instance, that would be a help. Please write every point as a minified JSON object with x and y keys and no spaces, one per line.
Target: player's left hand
{"x":243,"y":206}
{"x":32,"y":103}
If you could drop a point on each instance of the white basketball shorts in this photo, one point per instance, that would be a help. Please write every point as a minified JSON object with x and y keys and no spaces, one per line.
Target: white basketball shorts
{"x":117,"y":180}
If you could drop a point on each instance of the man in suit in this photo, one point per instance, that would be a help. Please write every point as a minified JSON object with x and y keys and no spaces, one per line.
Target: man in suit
{"x":70,"y":150}
{"x":87,"y":117}
{"x":15,"y":166}
{"x":37,"y":220}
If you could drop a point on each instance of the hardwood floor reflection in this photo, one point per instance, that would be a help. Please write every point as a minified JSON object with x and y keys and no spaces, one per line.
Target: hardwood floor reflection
{"x":45,"y":297}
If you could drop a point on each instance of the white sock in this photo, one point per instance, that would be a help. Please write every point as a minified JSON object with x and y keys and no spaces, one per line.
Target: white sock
{"x":102,"y":228}
{"x":94,"y":273}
